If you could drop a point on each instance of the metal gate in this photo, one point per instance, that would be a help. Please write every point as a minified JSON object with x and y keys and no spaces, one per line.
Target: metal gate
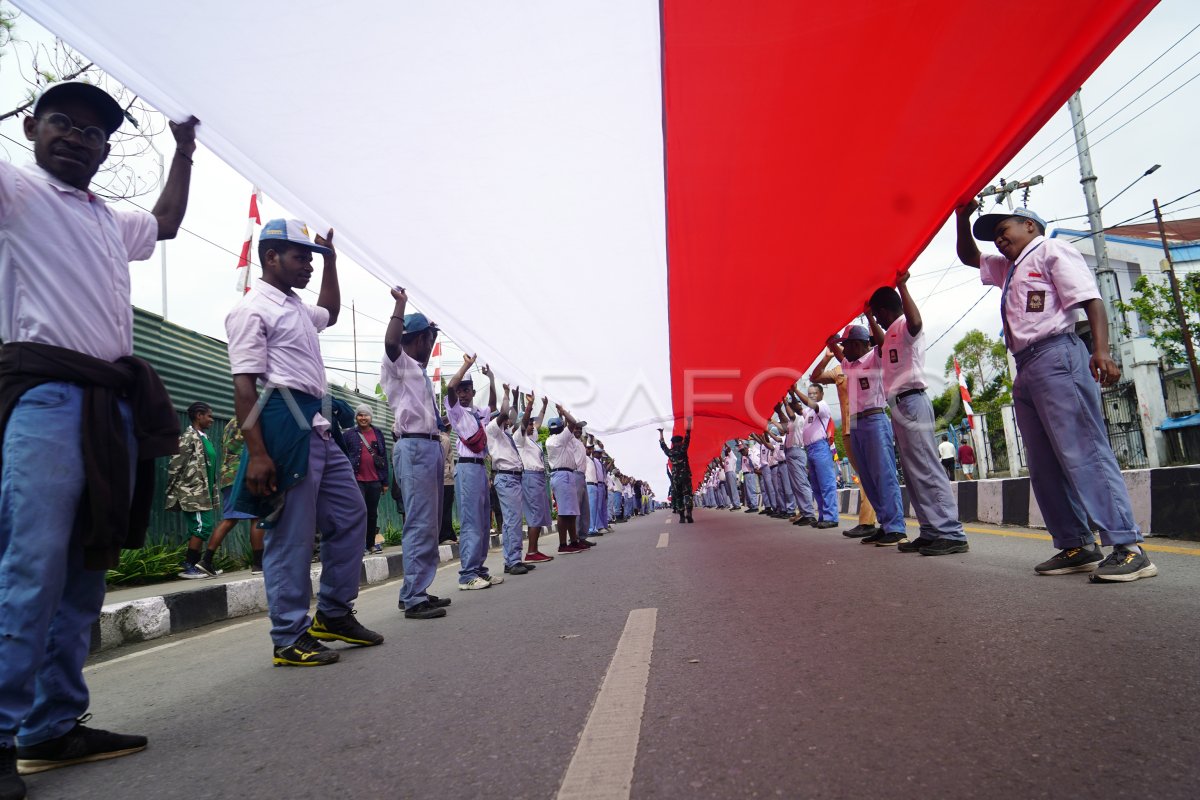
{"x":1124,"y":428}
{"x":995,"y":446}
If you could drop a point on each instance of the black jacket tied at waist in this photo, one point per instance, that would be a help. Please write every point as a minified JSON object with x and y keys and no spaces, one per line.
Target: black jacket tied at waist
{"x":107,"y":519}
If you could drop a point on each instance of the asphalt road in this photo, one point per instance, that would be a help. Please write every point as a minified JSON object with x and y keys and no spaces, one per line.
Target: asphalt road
{"x":786,"y":662}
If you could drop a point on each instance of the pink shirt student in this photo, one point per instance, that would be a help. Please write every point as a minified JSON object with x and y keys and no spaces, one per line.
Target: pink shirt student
{"x":864,"y":379}
{"x":49,"y":222}
{"x":465,"y":421}
{"x":1049,"y":281}
{"x":816,"y":423}
{"x":902,"y":359}
{"x":410,"y":394}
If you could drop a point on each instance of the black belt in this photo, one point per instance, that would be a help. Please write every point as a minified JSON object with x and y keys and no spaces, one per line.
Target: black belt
{"x":870,"y":412}
{"x":508,"y":472}
{"x":593,"y":483}
{"x":563,"y":469}
{"x":908,"y":393}
{"x":435,"y":437}
{"x":469,"y":460}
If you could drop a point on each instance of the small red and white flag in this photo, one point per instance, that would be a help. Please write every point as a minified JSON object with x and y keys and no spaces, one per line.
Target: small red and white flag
{"x":965,"y":392}
{"x":436,"y":359}
{"x":243,"y":267}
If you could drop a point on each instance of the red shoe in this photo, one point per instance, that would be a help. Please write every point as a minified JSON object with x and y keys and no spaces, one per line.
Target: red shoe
{"x":537,"y":558}
{"x":568,"y":549}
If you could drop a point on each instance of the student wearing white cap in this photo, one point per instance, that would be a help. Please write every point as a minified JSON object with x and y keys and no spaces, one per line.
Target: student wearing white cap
{"x":871,"y":435}
{"x":418,"y":459}
{"x":1073,"y":472}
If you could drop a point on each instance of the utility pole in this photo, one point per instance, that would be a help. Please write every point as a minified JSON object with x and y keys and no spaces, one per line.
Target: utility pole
{"x":354,"y":331}
{"x":1105,"y":275}
{"x":1183,"y":323}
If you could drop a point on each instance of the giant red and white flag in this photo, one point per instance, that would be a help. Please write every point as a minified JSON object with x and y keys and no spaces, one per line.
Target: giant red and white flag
{"x":244,"y":260}
{"x":965,"y":393}
{"x":587,"y":192}
{"x":435,"y":361}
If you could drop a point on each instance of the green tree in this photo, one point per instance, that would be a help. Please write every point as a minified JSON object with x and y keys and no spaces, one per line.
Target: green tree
{"x":984,"y":360}
{"x":1155,"y":307}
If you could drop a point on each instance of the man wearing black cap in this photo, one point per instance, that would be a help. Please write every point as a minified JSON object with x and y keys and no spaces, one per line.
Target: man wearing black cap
{"x":681,"y":471}
{"x":1073,"y":472}
{"x":67,"y":325}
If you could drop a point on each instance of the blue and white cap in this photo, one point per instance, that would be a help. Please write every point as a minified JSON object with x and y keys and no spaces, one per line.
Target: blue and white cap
{"x":290,"y":230}
{"x":984,"y":228}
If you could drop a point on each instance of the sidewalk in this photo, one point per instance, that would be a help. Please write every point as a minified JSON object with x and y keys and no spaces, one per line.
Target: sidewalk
{"x":141,"y":613}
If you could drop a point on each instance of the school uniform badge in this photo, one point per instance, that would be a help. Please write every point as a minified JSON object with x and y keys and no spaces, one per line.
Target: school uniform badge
{"x":894,"y":356}
{"x":1036,"y":301}
{"x":864,"y":383}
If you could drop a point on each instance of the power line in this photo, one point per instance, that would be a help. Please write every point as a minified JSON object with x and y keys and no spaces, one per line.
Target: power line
{"x":1159,"y":57}
{"x":960,"y":319}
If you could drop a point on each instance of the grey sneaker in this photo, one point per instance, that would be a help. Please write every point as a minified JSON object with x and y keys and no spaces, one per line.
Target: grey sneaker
{"x":191,"y":572}
{"x":1073,"y":559}
{"x":1124,"y":566}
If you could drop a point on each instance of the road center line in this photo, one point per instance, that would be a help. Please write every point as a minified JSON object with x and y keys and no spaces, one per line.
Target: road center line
{"x":602,"y":766}
{"x":662,"y":539}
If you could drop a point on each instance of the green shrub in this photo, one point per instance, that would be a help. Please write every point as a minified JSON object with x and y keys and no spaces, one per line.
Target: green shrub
{"x":392,"y":535}
{"x":157,"y":563}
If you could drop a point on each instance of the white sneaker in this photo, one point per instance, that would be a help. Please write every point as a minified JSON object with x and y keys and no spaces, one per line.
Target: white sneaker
{"x":475,"y":583}
{"x":494,"y":579}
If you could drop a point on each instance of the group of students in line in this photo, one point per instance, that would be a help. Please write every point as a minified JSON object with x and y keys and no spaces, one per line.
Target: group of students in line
{"x":887,"y":412}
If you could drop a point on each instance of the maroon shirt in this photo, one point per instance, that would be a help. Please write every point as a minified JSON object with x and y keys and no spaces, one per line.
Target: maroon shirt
{"x":966,"y":454}
{"x":366,"y":464}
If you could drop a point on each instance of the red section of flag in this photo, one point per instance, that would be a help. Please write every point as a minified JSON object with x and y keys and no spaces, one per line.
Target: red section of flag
{"x":254,"y":215}
{"x":244,"y":258}
{"x":795,"y":132}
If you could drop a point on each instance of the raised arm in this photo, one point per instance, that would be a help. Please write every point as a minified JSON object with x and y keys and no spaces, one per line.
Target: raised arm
{"x":566,"y":415}
{"x":968,"y":252}
{"x":395,"y":328}
{"x":819,"y":375}
{"x":527,"y":413}
{"x":912,"y":314}
{"x":330,"y":297}
{"x":504,"y":405}
{"x":835,"y":348}
{"x":877,"y":331}
{"x":542,"y":413}
{"x":456,"y":379}
{"x":491,"y":376}
{"x":172,"y":203}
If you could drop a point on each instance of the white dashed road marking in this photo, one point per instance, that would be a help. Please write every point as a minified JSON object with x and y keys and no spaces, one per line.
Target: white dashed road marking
{"x":662,"y":539}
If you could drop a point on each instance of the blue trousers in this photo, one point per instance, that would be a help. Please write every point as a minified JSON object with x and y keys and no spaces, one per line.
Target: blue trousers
{"x":584,"y":525}
{"x":797,"y":465}
{"x":474,"y":517}
{"x":875,"y":452}
{"x":48,"y":601}
{"x":1072,"y":469}
{"x":753,"y":496}
{"x":537,"y":503}
{"x":418,"y":466}
{"x":929,"y":489}
{"x":768,"y":486}
{"x":508,"y":490}
{"x":731,"y":481}
{"x":328,"y":500}
{"x":783,"y":486}
{"x":629,"y":501}
{"x":593,"y":493}
{"x":822,"y":477}
{"x":602,"y":492}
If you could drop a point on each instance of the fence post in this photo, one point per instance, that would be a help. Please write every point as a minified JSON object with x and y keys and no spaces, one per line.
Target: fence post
{"x":1015,"y":456}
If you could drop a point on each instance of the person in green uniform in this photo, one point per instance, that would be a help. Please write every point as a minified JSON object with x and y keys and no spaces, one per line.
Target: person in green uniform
{"x":232,"y":445}
{"x":192,"y":486}
{"x":681,"y":471}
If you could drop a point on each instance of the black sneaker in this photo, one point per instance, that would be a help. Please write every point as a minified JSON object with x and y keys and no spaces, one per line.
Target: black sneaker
{"x":585,"y":543}
{"x":914,"y":545}
{"x":343,"y":629}
{"x":810,"y":521}
{"x":944,"y":547}
{"x":890,"y":539}
{"x":205,"y":565}
{"x":1124,"y":565}
{"x":516,"y":569}
{"x":689,"y":519}
{"x":304,"y":652}
{"x":751,"y":511}
{"x":871,"y":538}
{"x":11,"y":785}
{"x":425,"y":610}
{"x":826,"y":524}
{"x":1073,"y":559}
{"x":77,"y":746}
{"x":437,"y":602}
{"x":859,"y":531}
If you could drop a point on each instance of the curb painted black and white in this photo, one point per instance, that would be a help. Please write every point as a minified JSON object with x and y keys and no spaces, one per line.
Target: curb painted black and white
{"x":204,"y":603}
{"x":1166,"y":501}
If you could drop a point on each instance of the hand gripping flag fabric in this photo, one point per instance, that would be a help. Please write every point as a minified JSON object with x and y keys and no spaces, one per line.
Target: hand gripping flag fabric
{"x":664,"y":204}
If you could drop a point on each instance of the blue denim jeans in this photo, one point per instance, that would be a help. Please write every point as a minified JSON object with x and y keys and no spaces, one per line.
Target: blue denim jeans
{"x":875,"y":451}
{"x":418,"y":466}
{"x":508,"y":490}
{"x":48,"y":601}
{"x":474,"y":516}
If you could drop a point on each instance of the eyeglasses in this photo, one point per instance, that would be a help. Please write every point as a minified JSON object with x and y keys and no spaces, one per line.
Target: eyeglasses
{"x":93,"y":137}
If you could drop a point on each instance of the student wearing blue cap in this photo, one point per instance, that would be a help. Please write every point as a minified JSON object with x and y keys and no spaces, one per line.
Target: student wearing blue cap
{"x":896,"y":324}
{"x":1073,"y":473}
{"x":418,"y":460}
{"x":471,"y":478}
{"x":296,"y":478}
{"x":871,"y":433}
{"x":67,"y":328}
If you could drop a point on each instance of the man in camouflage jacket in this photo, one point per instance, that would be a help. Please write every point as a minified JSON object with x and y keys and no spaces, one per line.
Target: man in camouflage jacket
{"x":192,"y":487}
{"x":681,"y":471}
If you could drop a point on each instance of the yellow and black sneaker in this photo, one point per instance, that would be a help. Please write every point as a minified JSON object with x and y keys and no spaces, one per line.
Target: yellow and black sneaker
{"x":343,"y":629}
{"x":304,"y":652}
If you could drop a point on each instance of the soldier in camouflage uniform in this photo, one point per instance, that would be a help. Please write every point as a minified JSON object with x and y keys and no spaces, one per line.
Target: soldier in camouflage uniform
{"x":681,"y":471}
{"x":192,"y":485}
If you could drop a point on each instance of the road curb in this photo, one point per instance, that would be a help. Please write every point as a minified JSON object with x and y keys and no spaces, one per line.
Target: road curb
{"x":204,"y":603}
{"x":1166,"y":501}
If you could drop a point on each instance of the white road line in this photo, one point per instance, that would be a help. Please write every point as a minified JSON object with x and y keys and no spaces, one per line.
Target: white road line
{"x":602,"y":766}
{"x":662,"y":539}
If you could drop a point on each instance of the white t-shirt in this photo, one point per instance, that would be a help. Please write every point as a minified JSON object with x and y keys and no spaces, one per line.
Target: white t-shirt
{"x":903,"y":359}
{"x":864,"y":379}
{"x":945,"y":450}
{"x":816,"y":423}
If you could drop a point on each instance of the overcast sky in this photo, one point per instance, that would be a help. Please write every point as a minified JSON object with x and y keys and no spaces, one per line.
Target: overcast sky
{"x":201,"y":273}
